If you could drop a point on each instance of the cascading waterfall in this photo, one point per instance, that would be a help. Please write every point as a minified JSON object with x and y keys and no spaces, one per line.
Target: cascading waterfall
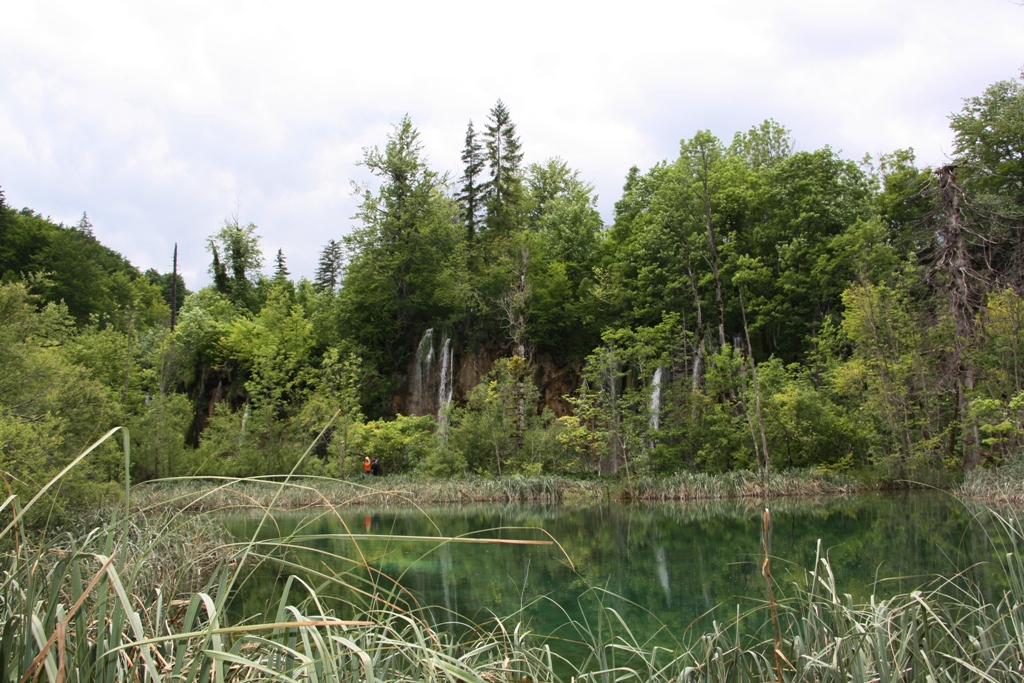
{"x":421,"y":379}
{"x":245,"y":421}
{"x":444,"y":385}
{"x":432,"y":381}
{"x":656,"y":399}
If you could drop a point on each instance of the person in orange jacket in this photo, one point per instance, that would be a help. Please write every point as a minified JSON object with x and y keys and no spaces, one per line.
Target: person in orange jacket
{"x":366,"y":465}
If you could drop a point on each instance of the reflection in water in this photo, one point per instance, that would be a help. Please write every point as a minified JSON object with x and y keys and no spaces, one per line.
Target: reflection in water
{"x":670,"y":568}
{"x":659,"y":557}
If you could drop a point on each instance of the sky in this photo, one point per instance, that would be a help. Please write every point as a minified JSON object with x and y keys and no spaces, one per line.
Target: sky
{"x":162,"y":120}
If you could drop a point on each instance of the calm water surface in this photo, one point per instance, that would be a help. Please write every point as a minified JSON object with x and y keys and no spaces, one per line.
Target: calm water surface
{"x":665,"y":567}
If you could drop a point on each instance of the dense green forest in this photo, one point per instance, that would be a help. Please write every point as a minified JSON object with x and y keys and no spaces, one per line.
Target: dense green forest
{"x":750,"y":303}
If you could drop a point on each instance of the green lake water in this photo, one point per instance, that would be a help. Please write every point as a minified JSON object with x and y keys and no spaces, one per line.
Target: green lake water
{"x":665,"y":568}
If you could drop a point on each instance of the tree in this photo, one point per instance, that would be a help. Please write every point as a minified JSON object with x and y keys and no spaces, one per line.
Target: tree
{"x":328,"y":270}
{"x":236,"y":263}
{"x":406,"y":272}
{"x":51,"y":408}
{"x":503,"y":193}
{"x":989,"y":144}
{"x":763,"y":146}
{"x":788,"y":221}
{"x":94,"y":281}
{"x":565,"y":243}
{"x":471,"y":194}
{"x":166,"y":283}
{"x":84,"y":226}
{"x":280,"y":267}
{"x":698,"y":161}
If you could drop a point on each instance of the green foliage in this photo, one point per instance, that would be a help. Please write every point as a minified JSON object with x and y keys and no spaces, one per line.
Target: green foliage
{"x":166,"y":284}
{"x":400,"y":445}
{"x":329,"y":267}
{"x":499,"y":430}
{"x":335,"y":396}
{"x":158,"y":437}
{"x":93,"y":281}
{"x":989,"y":137}
{"x":406,"y":271}
{"x":236,"y":263}
{"x":503,"y":195}
{"x":471,"y":195}
{"x":273,"y":347}
{"x":50,"y":409}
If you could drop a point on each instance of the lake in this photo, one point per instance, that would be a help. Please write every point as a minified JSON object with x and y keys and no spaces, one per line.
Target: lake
{"x":665,"y":568}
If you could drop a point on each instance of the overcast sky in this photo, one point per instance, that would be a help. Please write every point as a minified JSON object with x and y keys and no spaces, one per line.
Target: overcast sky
{"x":163,"y":119}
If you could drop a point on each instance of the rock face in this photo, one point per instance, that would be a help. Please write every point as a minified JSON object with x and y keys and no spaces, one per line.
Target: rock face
{"x":440,"y":373}
{"x":554,"y":382}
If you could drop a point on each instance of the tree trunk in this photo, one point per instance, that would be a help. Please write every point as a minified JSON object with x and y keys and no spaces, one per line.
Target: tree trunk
{"x":713,"y":248}
{"x":757,"y":395}
{"x":954,"y":261}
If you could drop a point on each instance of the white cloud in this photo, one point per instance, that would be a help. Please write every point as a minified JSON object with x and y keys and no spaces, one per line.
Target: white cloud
{"x":157,"y":118}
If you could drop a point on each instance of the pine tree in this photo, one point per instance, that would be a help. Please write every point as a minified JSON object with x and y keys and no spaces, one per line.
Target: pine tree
{"x":470,"y":198}
{"x":504,"y":192}
{"x":328,"y":270}
{"x":84,"y":226}
{"x":280,"y":269}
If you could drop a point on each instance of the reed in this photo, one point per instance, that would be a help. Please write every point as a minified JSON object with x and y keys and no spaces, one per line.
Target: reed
{"x":201,"y":494}
{"x":1002,"y":485}
{"x":741,"y":484}
{"x":143,"y":597}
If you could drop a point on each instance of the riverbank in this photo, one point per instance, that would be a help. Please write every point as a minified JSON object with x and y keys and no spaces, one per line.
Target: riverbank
{"x":200,"y":494}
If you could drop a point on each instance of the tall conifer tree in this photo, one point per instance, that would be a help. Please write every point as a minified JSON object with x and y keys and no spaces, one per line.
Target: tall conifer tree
{"x":328,"y":269}
{"x":85,"y":225}
{"x":280,"y":267}
{"x":504,"y":191}
{"x":470,"y":198}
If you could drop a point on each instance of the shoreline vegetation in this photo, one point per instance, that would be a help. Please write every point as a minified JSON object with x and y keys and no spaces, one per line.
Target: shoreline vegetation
{"x":202,"y":494}
{"x":1004,"y":486}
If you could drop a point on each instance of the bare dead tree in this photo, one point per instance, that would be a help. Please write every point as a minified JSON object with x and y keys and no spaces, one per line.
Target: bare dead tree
{"x":513,"y":308}
{"x":962,"y":288}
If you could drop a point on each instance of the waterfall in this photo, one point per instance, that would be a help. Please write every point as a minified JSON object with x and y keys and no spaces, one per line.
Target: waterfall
{"x":422,"y":375}
{"x":245,"y":421}
{"x":656,"y":399}
{"x":444,"y":385}
{"x":431,"y":377}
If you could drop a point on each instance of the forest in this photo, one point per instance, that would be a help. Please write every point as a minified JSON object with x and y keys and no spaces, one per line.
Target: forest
{"x":750,"y":305}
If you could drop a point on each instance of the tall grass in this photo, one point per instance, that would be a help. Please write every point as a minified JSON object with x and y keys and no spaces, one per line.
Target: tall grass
{"x":200,"y":494}
{"x":1002,"y":485}
{"x":741,"y":484}
{"x":143,"y":597}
